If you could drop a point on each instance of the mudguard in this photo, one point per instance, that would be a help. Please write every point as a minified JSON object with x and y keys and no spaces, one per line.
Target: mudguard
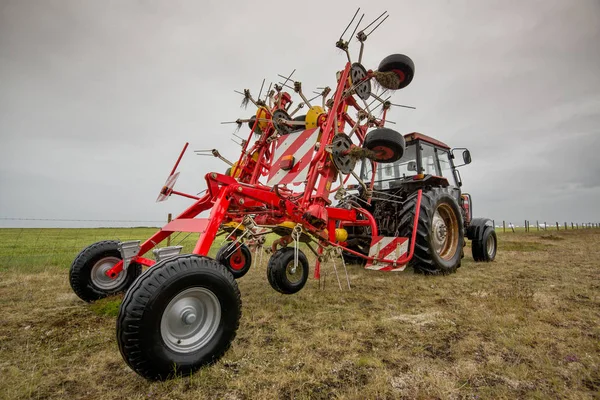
{"x":477,"y":227}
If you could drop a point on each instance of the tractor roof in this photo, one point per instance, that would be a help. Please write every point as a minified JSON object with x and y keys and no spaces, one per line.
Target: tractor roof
{"x":419,"y":136}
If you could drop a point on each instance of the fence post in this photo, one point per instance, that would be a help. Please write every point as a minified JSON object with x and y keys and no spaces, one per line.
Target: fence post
{"x":504,"y":226}
{"x":537,"y":224}
{"x":565,"y":226}
{"x":545,"y":225}
{"x":169,"y":217}
{"x":557,"y":227}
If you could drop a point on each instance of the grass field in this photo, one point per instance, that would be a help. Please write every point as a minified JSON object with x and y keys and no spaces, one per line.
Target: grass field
{"x":524,"y":326}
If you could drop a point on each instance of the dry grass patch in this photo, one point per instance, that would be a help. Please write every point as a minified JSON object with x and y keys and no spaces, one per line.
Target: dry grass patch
{"x":525,"y":326}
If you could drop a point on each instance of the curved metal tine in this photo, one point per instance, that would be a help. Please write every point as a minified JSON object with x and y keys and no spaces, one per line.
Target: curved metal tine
{"x":316,"y":97}
{"x":336,"y":272}
{"x":350,"y":23}
{"x":261,"y":88}
{"x":375,"y":20}
{"x":288,"y":77}
{"x":357,"y":25}
{"x":268,"y":91}
{"x":382,"y":21}
{"x":403,"y":106}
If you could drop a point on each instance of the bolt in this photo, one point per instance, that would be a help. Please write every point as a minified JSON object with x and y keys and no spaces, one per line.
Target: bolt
{"x":241,"y":201}
{"x":213,"y":175}
{"x":188,"y":317}
{"x":239,"y":189}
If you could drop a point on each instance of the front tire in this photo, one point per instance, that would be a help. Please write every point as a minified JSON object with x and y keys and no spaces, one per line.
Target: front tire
{"x":179,"y":316}
{"x":87,"y":274}
{"x":440,"y":235}
{"x":485,"y":249}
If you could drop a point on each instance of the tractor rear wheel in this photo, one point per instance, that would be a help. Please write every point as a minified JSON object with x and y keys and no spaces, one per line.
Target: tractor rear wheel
{"x":87,"y":274}
{"x":283,"y":276}
{"x":387,"y":144}
{"x":182,"y":314}
{"x":237,"y":258}
{"x":440,"y":236}
{"x":485,"y":249}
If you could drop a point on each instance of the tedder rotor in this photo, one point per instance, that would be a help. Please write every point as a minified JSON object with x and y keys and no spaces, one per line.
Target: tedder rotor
{"x":183,"y":312}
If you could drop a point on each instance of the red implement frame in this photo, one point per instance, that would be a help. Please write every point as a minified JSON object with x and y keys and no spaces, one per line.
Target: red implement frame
{"x":232,"y":199}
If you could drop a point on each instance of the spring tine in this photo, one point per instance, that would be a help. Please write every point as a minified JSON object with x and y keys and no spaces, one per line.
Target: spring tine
{"x":351,"y":21}
{"x":357,"y":25}
{"x":375,"y":20}
{"x":401,"y":105}
{"x":261,"y":88}
{"x":382,"y":21}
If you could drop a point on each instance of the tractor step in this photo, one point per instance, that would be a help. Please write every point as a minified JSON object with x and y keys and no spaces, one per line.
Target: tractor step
{"x":166,"y":252}
{"x":387,"y":250}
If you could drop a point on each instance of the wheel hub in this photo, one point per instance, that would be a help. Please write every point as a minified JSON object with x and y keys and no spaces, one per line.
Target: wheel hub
{"x":190,"y":320}
{"x":99,"y":277}
{"x":440,"y":231}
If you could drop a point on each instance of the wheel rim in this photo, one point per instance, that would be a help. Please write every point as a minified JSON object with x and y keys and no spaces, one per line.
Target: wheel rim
{"x":237,"y":261}
{"x":383,"y":153}
{"x":294,"y":274}
{"x":491,"y":246}
{"x":99,"y":277}
{"x":445,"y":232}
{"x":190,"y":320}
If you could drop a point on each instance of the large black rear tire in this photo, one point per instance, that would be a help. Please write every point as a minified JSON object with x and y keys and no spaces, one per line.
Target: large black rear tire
{"x":182,"y":314}
{"x":87,"y":273}
{"x":440,"y":235}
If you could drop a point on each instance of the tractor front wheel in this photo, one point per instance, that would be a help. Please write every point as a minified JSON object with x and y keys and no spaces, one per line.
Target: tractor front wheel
{"x":236,"y":257}
{"x":179,"y":316}
{"x":440,"y":236}
{"x":87,"y":274}
{"x":283,"y":275}
{"x":485,"y":249}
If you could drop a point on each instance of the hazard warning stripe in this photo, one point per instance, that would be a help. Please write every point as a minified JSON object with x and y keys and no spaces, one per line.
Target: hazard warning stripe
{"x":300,"y":145}
{"x":169,"y":185}
{"x":387,"y":248}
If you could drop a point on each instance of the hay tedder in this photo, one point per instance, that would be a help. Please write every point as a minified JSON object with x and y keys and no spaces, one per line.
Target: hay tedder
{"x":183,"y":312}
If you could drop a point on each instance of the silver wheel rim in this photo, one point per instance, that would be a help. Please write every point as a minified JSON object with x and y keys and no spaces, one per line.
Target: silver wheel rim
{"x":294,"y":274}
{"x":190,"y":320}
{"x":99,"y":278}
{"x":490,"y":245}
{"x":440,"y":232}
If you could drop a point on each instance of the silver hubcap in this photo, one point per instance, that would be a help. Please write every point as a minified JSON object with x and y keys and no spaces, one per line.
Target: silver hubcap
{"x":440,"y":232}
{"x":190,"y":320}
{"x":99,"y":278}
{"x":294,"y":273}
{"x":490,"y":245}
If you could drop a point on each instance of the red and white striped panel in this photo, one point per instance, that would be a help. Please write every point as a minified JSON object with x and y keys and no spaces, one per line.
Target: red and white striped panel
{"x":300,"y":145}
{"x":389,"y":248}
{"x":165,"y":192}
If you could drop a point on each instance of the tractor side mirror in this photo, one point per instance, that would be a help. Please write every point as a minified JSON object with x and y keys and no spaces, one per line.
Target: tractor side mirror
{"x":411,"y":166}
{"x":466,"y":156}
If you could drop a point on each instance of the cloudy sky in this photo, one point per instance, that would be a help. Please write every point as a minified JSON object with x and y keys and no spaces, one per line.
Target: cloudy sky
{"x":98,"y":97}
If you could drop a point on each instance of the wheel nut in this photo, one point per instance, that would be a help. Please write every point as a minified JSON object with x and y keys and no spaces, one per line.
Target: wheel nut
{"x":188,"y":317}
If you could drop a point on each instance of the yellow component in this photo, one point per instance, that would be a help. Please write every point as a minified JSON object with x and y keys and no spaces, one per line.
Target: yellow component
{"x":341,"y":235}
{"x":262,"y":114}
{"x":234,"y":168}
{"x":255,"y":156}
{"x":312,"y":116}
{"x":230,"y":226}
{"x":287,"y":224}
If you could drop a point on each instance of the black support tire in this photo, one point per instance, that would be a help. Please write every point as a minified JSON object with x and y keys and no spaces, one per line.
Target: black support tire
{"x":236,"y":258}
{"x":182,"y":314}
{"x":485,"y":249}
{"x":281,"y":273}
{"x":440,"y":235}
{"x":87,"y":273}
{"x":402,"y":66}
{"x":387,"y":144}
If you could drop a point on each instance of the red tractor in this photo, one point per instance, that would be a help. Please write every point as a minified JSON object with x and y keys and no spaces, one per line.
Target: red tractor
{"x":183,"y":311}
{"x":445,"y":216}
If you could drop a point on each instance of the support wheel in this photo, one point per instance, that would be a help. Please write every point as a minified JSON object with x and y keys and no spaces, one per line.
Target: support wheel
{"x":237,"y":258}
{"x":87,"y":275}
{"x":179,"y":316}
{"x":485,"y":249}
{"x":281,"y":273}
{"x":387,"y":144}
{"x":440,"y":236}
{"x":395,"y":72}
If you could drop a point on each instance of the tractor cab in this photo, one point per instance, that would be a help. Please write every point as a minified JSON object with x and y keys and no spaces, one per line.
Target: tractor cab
{"x":425,"y":161}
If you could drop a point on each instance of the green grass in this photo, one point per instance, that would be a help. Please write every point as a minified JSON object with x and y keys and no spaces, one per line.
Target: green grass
{"x":524,"y":326}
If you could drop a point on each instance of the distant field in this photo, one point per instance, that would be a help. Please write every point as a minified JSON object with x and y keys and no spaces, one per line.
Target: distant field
{"x":525,"y":326}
